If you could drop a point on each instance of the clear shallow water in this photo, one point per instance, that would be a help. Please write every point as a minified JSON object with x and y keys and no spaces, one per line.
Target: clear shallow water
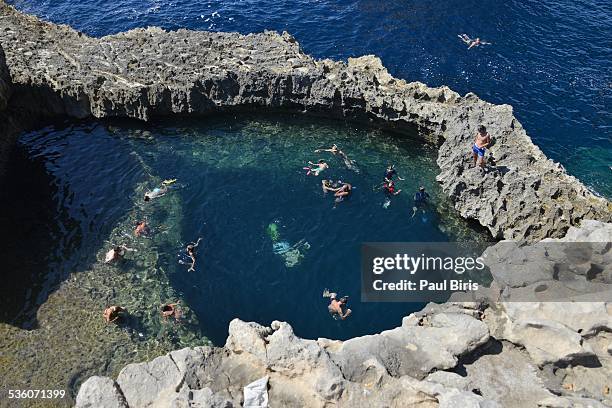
{"x":235,"y":177}
{"x":550,"y":60}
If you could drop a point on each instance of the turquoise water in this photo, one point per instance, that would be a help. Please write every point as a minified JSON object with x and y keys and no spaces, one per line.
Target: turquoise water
{"x":549,"y":60}
{"x":235,"y":177}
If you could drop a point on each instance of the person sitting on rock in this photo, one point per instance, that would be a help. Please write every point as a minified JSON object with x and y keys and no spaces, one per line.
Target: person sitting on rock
{"x":420,"y":200}
{"x":338,"y":306}
{"x":481,"y":142}
{"x":113,"y":313}
{"x":316,"y":168}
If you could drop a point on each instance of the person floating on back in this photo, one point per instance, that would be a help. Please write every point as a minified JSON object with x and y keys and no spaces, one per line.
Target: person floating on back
{"x":315,"y":168}
{"x":156,"y":193}
{"x":472,"y":42}
{"x":113,"y":313}
{"x":337,"y":306}
{"x":335,"y":150}
{"x":191,"y":253}
{"x":420,"y":200}
{"x":481,"y":142}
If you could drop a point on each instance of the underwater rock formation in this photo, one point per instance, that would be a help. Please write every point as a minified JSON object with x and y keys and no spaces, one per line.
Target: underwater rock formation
{"x":456,"y":354}
{"x":150,"y":72}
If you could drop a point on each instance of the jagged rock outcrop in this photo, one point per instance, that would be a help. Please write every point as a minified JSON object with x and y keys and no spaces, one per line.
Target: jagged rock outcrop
{"x":150,"y":72}
{"x":469,"y":354}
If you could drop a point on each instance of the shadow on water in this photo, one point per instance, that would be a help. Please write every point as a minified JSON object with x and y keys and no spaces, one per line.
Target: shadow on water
{"x":28,"y":211}
{"x":46,"y":229}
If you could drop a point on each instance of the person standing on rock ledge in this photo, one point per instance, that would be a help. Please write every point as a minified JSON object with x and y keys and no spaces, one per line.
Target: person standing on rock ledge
{"x":482,"y":141}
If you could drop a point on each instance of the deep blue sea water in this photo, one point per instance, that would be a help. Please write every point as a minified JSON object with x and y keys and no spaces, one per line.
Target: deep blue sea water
{"x":550,"y":60}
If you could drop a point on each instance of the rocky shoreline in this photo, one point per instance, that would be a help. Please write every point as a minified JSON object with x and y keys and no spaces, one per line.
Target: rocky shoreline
{"x":479,"y":353}
{"x":145,"y":73}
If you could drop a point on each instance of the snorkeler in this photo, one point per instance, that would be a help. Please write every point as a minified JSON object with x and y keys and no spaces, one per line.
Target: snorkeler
{"x":389,"y":188}
{"x":337,"y":306}
{"x":191,"y":253}
{"x":420,"y":200}
{"x":390,"y":191}
{"x":156,"y":193}
{"x":390,"y":172}
{"x":117,"y":253}
{"x":142,"y":229}
{"x":335,"y":150}
{"x":316,"y":168}
{"x":343,"y":192}
{"x":481,"y":142}
{"x":472,"y":42}
{"x":171,"y":310}
{"x":113,"y":313}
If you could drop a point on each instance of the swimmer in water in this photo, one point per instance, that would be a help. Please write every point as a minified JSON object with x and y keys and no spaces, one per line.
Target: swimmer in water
{"x":472,"y":43}
{"x":335,"y":150}
{"x":191,"y":253}
{"x":390,"y":172}
{"x":156,"y":193}
{"x":338,"y":306}
{"x":142,"y":229}
{"x":343,"y":192}
{"x":113,"y":313}
{"x":420,"y":200}
{"x":389,"y":188}
{"x":115,"y":254}
{"x":171,"y":310}
{"x":316,"y":168}
{"x":329,"y":185}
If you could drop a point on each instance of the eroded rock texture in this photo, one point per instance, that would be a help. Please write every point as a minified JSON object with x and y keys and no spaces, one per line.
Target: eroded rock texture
{"x":150,"y":72}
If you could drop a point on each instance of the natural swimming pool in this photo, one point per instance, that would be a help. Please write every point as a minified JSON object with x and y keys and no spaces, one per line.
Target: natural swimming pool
{"x":242,"y":188}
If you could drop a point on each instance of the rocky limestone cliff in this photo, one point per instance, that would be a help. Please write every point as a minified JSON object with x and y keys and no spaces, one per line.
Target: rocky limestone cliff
{"x":8,"y":132}
{"x":457,"y":354}
{"x":151,"y":72}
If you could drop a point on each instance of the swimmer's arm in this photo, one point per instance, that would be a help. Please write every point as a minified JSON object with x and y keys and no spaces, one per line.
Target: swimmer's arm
{"x":197,"y":242}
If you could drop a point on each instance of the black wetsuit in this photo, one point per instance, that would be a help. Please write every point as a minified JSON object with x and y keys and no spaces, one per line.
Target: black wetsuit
{"x":420,"y":198}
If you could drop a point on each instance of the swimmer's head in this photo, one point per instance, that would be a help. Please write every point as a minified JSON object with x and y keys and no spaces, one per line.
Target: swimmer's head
{"x":146,"y":197}
{"x":482,"y":129}
{"x":321,"y":161}
{"x":421,"y":188}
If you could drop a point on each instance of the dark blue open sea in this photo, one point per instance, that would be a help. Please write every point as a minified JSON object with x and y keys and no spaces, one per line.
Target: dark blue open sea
{"x":239,"y":178}
{"x":549,"y":59}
